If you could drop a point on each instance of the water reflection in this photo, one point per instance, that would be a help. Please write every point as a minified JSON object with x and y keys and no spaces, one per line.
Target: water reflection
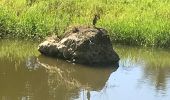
{"x":42,"y":78}
{"x":143,"y":74}
{"x":72,"y":78}
{"x":16,"y":84}
{"x":158,"y":76}
{"x":133,"y":83}
{"x":32,"y":63}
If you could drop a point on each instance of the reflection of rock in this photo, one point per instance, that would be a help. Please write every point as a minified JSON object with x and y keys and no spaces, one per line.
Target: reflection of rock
{"x":18,"y":82}
{"x":86,"y":45}
{"x":91,"y":77}
{"x":31,"y":63}
{"x":57,"y":81}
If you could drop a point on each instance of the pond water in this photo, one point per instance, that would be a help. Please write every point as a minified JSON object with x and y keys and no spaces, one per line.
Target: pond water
{"x":142,"y":74}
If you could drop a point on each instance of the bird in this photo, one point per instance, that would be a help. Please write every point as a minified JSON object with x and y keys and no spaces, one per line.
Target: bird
{"x":96,"y":17}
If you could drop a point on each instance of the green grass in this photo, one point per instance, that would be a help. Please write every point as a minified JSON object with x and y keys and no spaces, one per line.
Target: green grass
{"x":132,"y":22}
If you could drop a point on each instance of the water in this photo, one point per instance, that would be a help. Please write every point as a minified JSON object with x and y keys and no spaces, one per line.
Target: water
{"x":143,"y":74}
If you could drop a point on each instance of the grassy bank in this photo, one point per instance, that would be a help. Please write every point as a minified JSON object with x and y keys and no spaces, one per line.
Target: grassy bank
{"x":133,"y":22}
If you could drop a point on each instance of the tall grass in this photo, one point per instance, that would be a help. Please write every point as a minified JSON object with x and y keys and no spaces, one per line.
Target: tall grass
{"x":134,"y":22}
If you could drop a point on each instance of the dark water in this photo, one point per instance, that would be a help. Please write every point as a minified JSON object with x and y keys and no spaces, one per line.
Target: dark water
{"x":143,"y":74}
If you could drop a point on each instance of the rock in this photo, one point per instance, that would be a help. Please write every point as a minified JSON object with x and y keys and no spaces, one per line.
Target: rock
{"x":82,"y":44}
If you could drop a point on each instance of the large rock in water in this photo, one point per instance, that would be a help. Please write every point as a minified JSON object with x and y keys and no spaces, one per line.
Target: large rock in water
{"x":82,"y":44}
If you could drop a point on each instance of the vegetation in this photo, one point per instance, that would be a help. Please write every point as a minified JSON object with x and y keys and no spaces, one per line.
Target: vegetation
{"x":133,"y":22}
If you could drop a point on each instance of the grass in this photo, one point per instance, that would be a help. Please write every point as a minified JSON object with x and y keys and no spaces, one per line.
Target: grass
{"x":132,"y":22}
